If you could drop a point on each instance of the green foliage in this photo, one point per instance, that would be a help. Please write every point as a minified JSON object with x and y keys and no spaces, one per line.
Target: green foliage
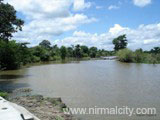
{"x":35,"y":59}
{"x":25,"y":53}
{"x":63,"y":52}
{"x":138,"y":56}
{"x":56,"y":58}
{"x":125,"y":55}
{"x":85,"y":51}
{"x":78,"y":52}
{"x":45,"y":43}
{"x":70,"y":52}
{"x":9,"y":23}
{"x":4,"y":95}
{"x":41,"y":53}
{"x":9,"y":55}
{"x":13,"y":55}
{"x":59,"y":118}
{"x":120,"y":42}
{"x":155,"y":50}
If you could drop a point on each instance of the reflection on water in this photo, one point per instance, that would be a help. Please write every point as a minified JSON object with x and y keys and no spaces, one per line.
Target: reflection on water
{"x":10,"y":86}
{"x":9,"y":80}
{"x":9,"y":77}
{"x":95,"y":83}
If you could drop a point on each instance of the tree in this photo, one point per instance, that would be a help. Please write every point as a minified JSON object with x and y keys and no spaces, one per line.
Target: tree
{"x":10,"y":51}
{"x":93,"y":52}
{"x":120,"y":42}
{"x":42,"y":53}
{"x":63,"y":52}
{"x":84,"y":50}
{"x":25,"y":53}
{"x":10,"y":55}
{"x":78,"y":53}
{"x":70,"y":52}
{"x":45,"y":43}
{"x":9,"y":23}
{"x":155,"y":50}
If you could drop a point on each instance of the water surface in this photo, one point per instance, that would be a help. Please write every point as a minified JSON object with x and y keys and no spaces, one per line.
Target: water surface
{"x":100,"y":83}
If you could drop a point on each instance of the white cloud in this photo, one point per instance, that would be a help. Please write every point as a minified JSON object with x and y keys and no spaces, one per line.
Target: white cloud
{"x":48,"y":28}
{"x":99,"y":7}
{"x":117,"y":29}
{"x":145,"y":36}
{"x":111,"y":7}
{"x":49,"y":18}
{"x":79,"y":5}
{"x":141,"y":3}
{"x":42,"y":8}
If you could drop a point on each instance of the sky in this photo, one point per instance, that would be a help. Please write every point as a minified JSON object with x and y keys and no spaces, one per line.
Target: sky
{"x":89,"y":22}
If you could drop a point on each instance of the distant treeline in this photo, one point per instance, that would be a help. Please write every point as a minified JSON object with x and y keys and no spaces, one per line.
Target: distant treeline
{"x":13,"y":55}
{"x":138,"y":56}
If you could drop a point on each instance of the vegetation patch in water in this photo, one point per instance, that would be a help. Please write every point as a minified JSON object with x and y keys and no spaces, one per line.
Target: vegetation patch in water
{"x":138,"y":56}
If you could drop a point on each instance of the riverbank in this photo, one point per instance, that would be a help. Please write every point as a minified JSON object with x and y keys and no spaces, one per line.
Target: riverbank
{"x":41,"y":107}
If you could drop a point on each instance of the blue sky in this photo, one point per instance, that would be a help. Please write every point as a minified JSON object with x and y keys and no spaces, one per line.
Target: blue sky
{"x":89,"y":22}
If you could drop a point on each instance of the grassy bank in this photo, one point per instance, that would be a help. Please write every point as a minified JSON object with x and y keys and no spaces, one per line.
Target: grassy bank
{"x":138,"y":56}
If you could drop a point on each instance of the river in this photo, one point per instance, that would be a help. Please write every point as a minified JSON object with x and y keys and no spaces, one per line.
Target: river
{"x":94,"y":83}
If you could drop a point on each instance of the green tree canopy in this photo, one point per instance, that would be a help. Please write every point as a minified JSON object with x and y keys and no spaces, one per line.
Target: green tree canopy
{"x":9,"y":23}
{"x":120,"y":42}
{"x":45,"y":43}
{"x":93,"y":52}
{"x":155,"y":50}
{"x":63,"y":52}
{"x":10,"y":54}
{"x":78,"y":52}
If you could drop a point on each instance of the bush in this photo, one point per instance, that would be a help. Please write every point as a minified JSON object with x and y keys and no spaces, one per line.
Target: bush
{"x":125,"y":55}
{"x":139,"y":56}
{"x":35,"y":59}
{"x":85,"y":55}
{"x":4,"y":94}
{"x":55,"y":58}
{"x":151,"y":59}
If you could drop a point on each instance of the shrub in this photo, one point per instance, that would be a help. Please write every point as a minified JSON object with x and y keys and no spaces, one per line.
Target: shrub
{"x":4,"y":94}
{"x":125,"y":55}
{"x":55,"y":58}
{"x":35,"y":59}
{"x":139,"y":56}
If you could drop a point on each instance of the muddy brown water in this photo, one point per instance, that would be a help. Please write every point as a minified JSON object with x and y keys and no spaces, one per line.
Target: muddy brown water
{"x":94,"y":83}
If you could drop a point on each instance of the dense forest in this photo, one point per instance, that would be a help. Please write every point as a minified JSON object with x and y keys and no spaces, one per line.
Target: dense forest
{"x":13,"y":54}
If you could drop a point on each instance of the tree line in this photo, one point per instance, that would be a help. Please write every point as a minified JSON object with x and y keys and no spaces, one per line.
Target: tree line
{"x":138,"y":56}
{"x":13,"y":54}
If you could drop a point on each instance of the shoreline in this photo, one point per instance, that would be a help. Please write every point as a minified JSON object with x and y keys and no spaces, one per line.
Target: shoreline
{"x":44,"y":108}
